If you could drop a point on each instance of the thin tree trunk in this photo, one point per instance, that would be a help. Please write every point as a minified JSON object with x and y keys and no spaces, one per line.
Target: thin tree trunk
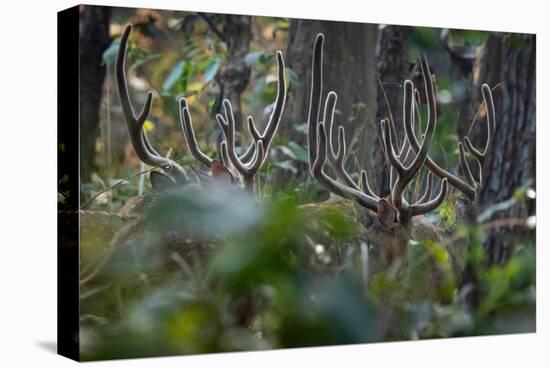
{"x":392,"y":69}
{"x":510,"y":61}
{"x":462,"y":64}
{"x":348,"y":70}
{"x":235,"y":76}
{"x":94,"y":39}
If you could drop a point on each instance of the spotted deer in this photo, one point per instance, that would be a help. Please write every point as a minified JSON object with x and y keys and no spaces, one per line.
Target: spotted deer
{"x":232,"y":171}
{"x":246,"y":165}
{"x":390,"y":222}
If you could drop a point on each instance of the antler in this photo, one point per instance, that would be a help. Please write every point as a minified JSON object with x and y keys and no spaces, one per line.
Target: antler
{"x":189,"y":134}
{"x":275,"y":117}
{"x":247,"y":170}
{"x":320,"y":145}
{"x":478,"y":156}
{"x":337,"y":158}
{"x":406,"y":174}
{"x":250,"y":162}
{"x":331,"y":184}
{"x":469,"y":188}
{"x":138,"y":138}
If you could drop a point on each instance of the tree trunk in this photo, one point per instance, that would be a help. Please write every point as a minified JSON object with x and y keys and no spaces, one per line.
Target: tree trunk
{"x":462,"y":63}
{"x":392,"y":70}
{"x":94,"y":39}
{"x":510,"y":61}
{"x":235,"y":76}
{"x":348,"y":70}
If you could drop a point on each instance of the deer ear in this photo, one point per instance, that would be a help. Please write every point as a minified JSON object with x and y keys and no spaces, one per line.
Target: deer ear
{"x":221,"y":174}
{"x":387,"y":214}
{"x":160,"y":181}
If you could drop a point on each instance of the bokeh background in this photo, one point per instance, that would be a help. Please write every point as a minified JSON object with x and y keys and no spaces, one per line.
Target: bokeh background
{"x":305,"y":295}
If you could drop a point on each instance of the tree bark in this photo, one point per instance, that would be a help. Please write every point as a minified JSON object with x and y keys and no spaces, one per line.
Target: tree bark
{"x":511,"y":61}
{"x":94,"y":39}
{"x":462,"y":63}
{"x":234,"y":78}
{"x":392,"y":69}
{"x":348,"y":70}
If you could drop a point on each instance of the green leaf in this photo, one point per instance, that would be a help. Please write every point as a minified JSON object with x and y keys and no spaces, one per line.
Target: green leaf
{"x":252,"y":58}
{"x":292,"y":77}
{"x":174,"y":76}
{"x":286,"y":150}
{"x":211,"y":70}
{"x":437,"y":251}
{"x":109,"y":55}
{"x":299,"y":151}
{"x":269,"y":93}
{"x":151,"y":57}
{"x":473,"y":38}
{"x":447,"y":213}
{"x":286,"y":165}
{"x":301,"y":127}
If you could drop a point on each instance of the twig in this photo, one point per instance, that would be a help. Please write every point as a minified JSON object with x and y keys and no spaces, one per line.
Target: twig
{"x":499,"y":223}
{"x":506,"y":222}
{"x":89,"y":201}
{"x":387,"y":106}
{"x":380,"y":141}
{"x":213,"y":27}
{"x":479,"y":109}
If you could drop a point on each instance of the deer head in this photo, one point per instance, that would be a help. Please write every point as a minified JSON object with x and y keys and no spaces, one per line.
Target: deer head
{"x":219,"y":172}
{"x":389,"y":221}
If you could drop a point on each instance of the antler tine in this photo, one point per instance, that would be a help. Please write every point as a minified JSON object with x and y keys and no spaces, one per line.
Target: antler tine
{"x":465,"y":167}
{"x":222,"y":148}
{"x":319,"y":144}
{"x":469,"y":189}
{"x":274,"y":119}
{"x":408,"y":119}
{"x":423,"y":208}
{"x":250,"y":162}
{"x":328,"y":118}
{"x":147,"y":144}
{"x":417,"y":109}
{"x":365,"y":186}
{"x":139,"y":140}
{"x":340,"y":160}
{"x":394,"y":132}
{"x":253,"y":131}
{"x":249,"y":169}
{"x":254,"y":165}
{"x":189,"y":133}
{"x":315,"y":97}
{"x":337,"y":159}
{"x":491,"y":124}
{"x":404,"y":153}
{"x":428,"y":190}
{"x":319,"y":160}
{"x":477,"y":155}
{"x":406,"y":174}
{"x":404,"y":150}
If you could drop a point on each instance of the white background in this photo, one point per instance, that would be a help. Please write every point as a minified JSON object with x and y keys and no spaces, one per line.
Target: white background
{"x":28,"y":183}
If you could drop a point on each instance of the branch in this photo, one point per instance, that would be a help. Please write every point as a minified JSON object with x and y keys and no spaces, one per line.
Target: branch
{"x":213,"y":27}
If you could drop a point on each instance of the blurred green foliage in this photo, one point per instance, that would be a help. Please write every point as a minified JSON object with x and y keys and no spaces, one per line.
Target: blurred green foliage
{"x":205,"y":271}
{"x":246,"y":275}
